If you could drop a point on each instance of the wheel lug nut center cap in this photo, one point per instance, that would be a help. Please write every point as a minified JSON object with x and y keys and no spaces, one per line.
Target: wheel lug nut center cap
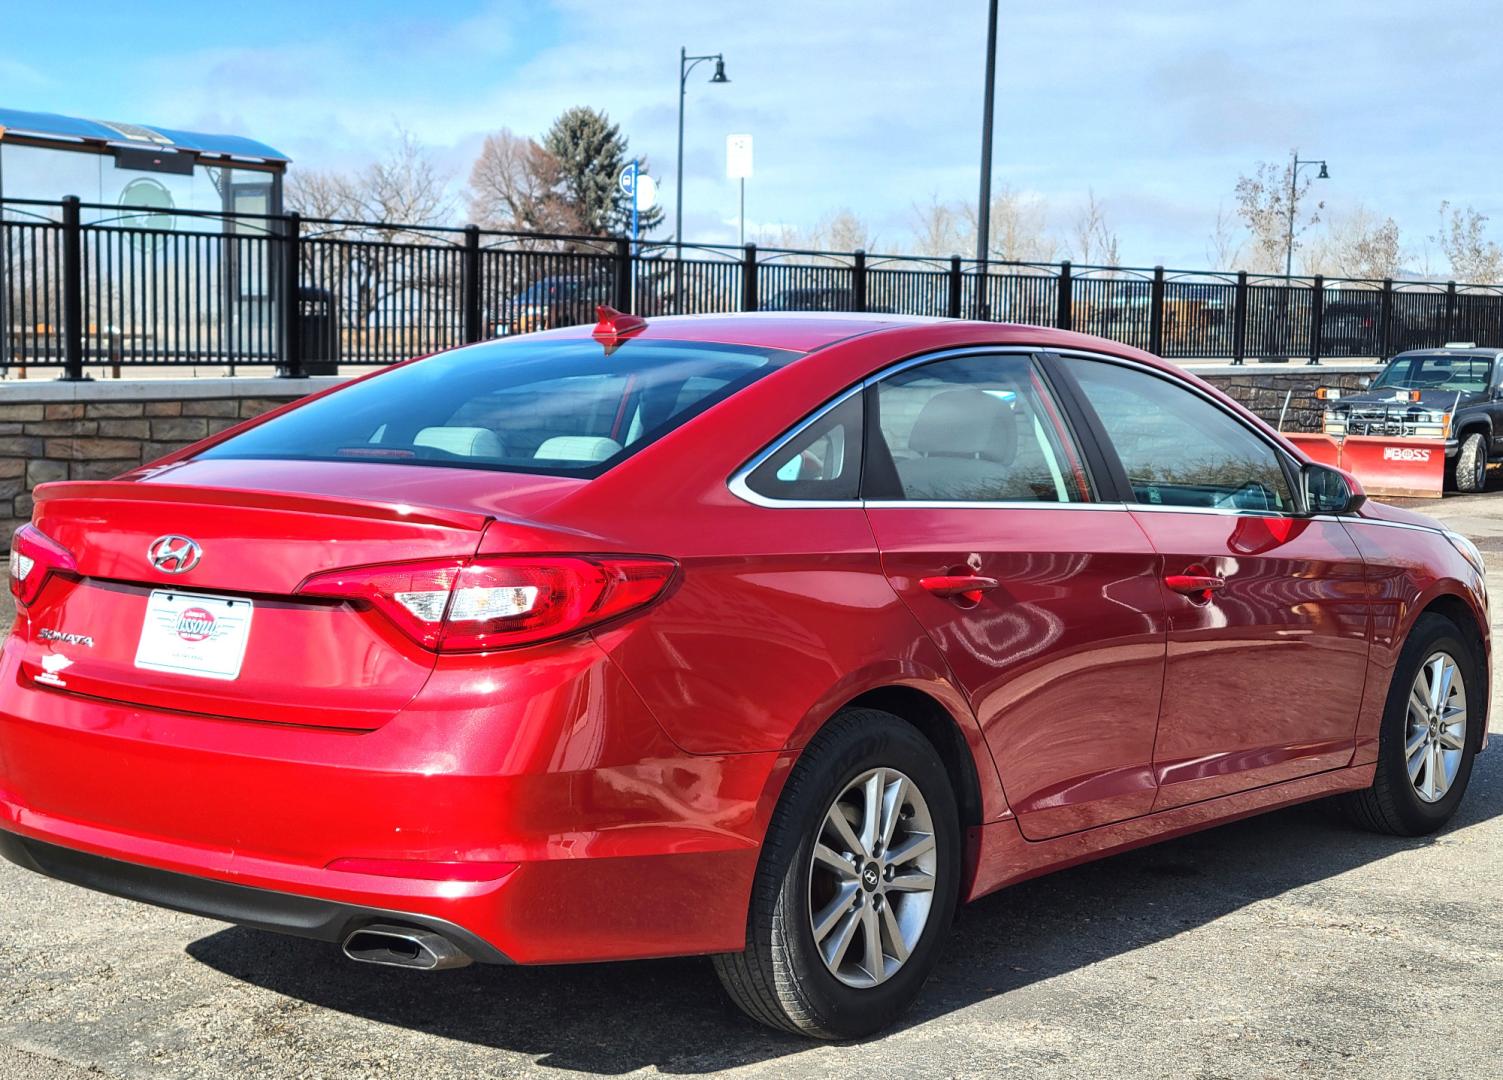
{"x":871,"y":876}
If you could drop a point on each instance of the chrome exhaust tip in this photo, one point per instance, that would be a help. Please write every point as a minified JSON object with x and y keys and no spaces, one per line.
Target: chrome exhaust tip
{"x":404,"y":947}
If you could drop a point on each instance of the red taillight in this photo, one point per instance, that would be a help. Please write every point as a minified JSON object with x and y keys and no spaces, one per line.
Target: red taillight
{"x":34,"y":556}
{"x":501,"y":602}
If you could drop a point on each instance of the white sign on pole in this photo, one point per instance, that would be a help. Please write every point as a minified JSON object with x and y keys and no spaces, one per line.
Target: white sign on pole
{"x":647,"y":193}
{"x":738,"y":157}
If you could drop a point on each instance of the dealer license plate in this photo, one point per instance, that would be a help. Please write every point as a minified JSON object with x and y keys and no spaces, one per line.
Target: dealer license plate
{"x":193,"y":634}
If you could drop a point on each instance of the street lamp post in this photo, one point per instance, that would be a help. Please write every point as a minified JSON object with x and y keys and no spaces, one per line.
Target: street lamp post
{"x":1294,"y":169}
{"x":686,"y":64}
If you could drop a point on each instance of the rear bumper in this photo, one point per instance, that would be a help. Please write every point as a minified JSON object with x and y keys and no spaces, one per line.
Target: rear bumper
{"x":264,"y":909}
{"x":585,"y":832}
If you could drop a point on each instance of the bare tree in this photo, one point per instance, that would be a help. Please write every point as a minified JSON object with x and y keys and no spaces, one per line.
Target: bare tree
{"x":1224,"y":246}
{"x":1019,"y":227}
{"x":393,"y":198}
{"x":318,"y":194}
{"x":515,"y":184}
{"x":842,"y":230}
{"x":1356,"y":245}
{"x":1463,"y":237}
{"x":404,"y":187}
{"x":1264,"y":204}
{"x":1092,"y":240}
{"x":938,"y":229}
{"x":839,"y":230}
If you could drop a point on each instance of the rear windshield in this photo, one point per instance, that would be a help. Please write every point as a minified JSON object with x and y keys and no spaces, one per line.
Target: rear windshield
{"x":563,"y":408}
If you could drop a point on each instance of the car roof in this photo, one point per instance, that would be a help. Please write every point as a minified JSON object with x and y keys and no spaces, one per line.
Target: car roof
{"x":808,"y":331}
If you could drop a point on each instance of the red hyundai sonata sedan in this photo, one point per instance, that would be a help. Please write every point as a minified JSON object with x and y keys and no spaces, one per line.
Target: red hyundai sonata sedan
{"x":765,"y":637}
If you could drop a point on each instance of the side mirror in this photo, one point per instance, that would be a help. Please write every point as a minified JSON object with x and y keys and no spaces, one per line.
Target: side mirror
{"x":1330,"y":491}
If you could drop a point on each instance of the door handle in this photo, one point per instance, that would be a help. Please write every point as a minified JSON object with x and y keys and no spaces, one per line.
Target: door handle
{"x":1195,"y":586}
{"x":968,"y":587}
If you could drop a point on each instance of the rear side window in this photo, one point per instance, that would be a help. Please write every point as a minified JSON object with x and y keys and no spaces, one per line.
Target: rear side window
{"x":1179,"y":449}
{"x":971,"y":429}
{"x":547,"y":406}
{"x":821,"y":462}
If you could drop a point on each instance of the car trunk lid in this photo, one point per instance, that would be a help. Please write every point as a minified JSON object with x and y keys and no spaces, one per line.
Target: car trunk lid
{"x":226,"y":634}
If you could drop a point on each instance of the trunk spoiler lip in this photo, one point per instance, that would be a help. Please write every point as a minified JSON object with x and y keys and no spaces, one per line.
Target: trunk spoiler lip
{"x":253,"y":498}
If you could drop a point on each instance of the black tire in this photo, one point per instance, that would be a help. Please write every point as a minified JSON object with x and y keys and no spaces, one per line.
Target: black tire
{"x":1469,"y":473}
{"x":1392,"y":805}
{"x":781,"y":979}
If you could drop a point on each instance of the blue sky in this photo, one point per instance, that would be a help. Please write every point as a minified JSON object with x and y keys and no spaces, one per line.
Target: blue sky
{"x":1157,"y":105}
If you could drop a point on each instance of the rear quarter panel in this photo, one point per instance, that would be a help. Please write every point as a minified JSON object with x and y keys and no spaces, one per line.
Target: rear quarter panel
{"x":779,"y":615}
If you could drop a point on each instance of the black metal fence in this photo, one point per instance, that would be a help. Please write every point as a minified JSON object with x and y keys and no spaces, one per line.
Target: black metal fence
{"x":91,"y":284}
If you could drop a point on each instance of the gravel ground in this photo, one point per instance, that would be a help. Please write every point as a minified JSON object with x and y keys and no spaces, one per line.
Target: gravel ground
{"x":1288,"y":945}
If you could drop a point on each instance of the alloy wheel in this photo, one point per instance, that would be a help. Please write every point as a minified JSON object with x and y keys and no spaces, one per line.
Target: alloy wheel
{"x":1435,"y":736}
{"x":872,"y":877}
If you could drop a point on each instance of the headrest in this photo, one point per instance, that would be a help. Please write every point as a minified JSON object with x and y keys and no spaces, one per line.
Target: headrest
{"x":465,"y":441}
{"x":589,"y":448}
{"x":965,"y":423}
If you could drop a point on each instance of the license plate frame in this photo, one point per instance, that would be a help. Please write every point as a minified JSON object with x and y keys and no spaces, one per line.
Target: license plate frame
{"x":198,"y":635}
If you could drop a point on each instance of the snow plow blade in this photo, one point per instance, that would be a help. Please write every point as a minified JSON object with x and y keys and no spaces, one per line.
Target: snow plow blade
{"x":1321,"y":448}
{"x":1389,"y":465}
{"x":1384,"y":465}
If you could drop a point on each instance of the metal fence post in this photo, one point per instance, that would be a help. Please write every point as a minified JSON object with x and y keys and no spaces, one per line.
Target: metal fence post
{"x":470,"y":285}
{"x":1450,"y":311}
{"x":292,"y":307}
{"x":1156,"y":312}
{"x":858,"y":280}
{"x":1317,"y":316}
{"x":1064,"y":317}
{"x":1239,"y":320}
{"x":624,"y":273}
{"x":956,"y":286}
{"x":72,"y":290}
{"x":1385,"y":319}
{"x":749,"y":279}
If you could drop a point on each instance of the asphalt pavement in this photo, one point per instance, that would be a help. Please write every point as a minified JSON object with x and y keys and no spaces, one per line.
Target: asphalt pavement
{"x":1286,"y":945}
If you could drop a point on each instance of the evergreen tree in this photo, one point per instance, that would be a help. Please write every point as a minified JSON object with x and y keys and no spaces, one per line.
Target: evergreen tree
{"x":591,"y":152}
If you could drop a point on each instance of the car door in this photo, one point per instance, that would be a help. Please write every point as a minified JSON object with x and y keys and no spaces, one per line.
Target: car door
{"x":1268,"y":609}
{"x":1492,"y":400}
{"x":1044,"y":599}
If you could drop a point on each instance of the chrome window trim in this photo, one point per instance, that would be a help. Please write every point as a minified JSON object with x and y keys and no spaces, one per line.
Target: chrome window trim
{"x":737,"y":483}
{"x":738,"y":486}
{"x":999,"y":504}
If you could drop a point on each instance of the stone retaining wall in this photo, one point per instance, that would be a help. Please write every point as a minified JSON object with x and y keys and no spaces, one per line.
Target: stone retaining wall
{"x":95,"y":430}
{"x":1263,"y":391}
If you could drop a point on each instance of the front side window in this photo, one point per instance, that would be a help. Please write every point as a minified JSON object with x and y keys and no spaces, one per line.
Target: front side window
{"x":562,"y":407}
{"x":970,"y":429}
{"x":1179,"y":449}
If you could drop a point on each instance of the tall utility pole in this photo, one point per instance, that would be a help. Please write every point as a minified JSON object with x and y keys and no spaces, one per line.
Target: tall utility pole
{"x":984,"y":204}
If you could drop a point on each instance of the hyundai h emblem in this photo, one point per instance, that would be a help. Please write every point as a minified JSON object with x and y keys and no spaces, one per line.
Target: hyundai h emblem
{"x":173,"y":554}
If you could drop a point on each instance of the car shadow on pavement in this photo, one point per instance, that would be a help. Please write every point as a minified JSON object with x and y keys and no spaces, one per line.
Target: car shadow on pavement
{"x":671,"y":1014}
